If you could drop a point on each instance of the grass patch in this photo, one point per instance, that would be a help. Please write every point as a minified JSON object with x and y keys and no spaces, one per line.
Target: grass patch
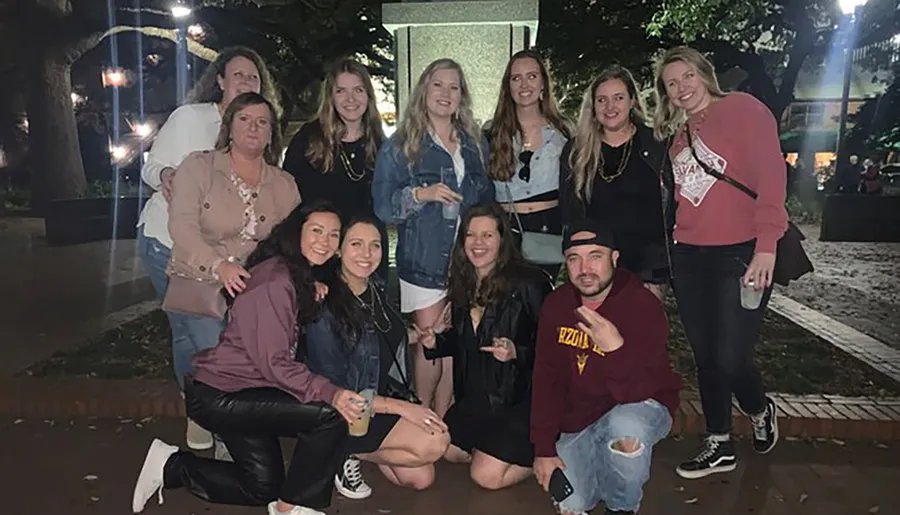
{"x":791,"y":359}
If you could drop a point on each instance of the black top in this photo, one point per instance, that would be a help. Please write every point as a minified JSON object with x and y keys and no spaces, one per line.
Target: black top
{"x":630,"y":204}
{"x":391,"y":331}
{"x":350,"y":197}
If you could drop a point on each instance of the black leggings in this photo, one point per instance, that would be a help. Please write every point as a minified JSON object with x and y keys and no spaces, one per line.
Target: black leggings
{"x":250,"y":423}
{"x":722,"y":334}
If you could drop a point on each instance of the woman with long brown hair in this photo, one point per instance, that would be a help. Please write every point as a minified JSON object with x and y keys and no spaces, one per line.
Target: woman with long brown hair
{"x":332,"y":157}
{"x":527,"y":136}
{"x":724,"y":257}
{"x":612,"y":172}
{"x":497,"y":299}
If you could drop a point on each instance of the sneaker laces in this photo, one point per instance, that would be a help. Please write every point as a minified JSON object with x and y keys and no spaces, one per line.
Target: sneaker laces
{"x":760,"y":426}
{"x":711,"y":446}
{"x":353,"y":472}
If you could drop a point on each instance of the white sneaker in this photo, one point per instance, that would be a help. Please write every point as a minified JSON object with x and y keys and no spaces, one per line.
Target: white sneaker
{"x":197,"y":438}
{"x":151,"y":478}
{"x":296,"y":510}
{"x":222,"y":453}
{"x":349,"y":481}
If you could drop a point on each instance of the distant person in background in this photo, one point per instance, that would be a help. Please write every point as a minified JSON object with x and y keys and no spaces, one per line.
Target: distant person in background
{"x":193,"y":126}
{"x":869,"y":182}
{"x":333,"y":156}
{"x":427,"y":174}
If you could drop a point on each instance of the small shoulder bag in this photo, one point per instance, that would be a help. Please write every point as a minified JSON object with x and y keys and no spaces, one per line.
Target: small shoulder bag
{"x":537,"y":247}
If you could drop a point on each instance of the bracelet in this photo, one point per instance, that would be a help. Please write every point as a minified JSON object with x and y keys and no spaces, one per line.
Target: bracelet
{"x":415,"y":194}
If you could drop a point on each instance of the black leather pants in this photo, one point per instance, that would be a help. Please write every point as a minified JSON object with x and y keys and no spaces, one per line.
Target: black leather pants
{"x":250,"y":423}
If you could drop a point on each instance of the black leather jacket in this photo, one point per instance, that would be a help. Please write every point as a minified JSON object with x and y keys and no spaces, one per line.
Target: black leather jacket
{"x":515,"y":317}
{"x":655,"y":153}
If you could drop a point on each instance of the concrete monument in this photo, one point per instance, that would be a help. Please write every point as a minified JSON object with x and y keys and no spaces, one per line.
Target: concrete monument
{"x":480,"y":35}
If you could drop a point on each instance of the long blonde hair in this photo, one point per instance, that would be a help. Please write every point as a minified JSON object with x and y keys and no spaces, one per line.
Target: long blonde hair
{"x":586,"y":158}
{"x":414,"y":126}
{"x":324,"y":144}
{"x":505,"y":124}
{"x":668,"y":119}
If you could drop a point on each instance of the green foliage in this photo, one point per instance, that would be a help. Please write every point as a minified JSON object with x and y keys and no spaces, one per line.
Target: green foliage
{"x":697,"y":19}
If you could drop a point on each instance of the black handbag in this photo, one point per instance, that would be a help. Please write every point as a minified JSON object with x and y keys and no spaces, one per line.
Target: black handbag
{"x":791,"y":261}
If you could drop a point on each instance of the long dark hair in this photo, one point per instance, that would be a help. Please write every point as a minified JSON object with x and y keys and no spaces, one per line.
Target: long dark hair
{"x":509,"y":270}
{"x":351,"y":320}
{"x":272,"y":152}
{"x":505,"y":124}
{"x":284,"y":243}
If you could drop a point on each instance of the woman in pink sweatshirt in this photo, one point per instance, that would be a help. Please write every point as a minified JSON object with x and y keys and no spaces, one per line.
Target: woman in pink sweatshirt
{"x":724,"y":242}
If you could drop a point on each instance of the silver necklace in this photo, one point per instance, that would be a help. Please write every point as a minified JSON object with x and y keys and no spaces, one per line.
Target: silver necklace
{"x":376,"y":299}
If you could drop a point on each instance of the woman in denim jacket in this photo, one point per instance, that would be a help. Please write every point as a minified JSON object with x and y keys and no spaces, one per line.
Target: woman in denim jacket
{"x":431,"y":170}
{"x":359,"y":342}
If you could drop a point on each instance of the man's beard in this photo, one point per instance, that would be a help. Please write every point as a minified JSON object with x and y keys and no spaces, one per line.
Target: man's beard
{"x":599,"y":285}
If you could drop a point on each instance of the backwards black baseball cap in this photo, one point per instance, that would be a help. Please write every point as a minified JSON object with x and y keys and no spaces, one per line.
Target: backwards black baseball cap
{"x":601,"y":235}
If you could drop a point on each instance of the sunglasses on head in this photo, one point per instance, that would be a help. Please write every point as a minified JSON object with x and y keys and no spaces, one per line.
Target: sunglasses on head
{"x":525,"y":159}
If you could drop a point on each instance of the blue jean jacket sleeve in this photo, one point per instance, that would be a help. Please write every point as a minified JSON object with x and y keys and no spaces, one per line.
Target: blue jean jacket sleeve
{"x":392,"y":186}
{"x":324,"y":353}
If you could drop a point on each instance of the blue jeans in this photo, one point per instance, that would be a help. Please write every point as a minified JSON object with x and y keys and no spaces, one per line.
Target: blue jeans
{"x":598,"y":472}
{"x":190,"y":333}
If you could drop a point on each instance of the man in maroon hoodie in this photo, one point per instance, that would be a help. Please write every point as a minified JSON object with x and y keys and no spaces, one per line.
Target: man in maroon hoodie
{"x":604,"y":390}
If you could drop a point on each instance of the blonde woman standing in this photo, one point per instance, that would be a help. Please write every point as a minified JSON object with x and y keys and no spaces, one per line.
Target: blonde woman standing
{"x":428,"y":173}
{"x":725,"y":250}
{"x":613,"y":172}
{"x":527,"y":136}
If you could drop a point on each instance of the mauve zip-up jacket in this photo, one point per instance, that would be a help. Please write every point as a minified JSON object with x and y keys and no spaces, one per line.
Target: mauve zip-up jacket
{"x":257,"y":347}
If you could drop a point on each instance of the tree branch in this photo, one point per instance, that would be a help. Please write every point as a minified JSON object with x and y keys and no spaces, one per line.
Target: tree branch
{"x":92,"y":40}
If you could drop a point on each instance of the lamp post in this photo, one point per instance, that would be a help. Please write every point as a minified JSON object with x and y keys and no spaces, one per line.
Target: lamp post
{"x":850,"y":9}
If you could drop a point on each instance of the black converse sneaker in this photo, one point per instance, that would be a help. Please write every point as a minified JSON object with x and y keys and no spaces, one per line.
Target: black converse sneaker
{"x":765,"y":428}
{"x":716,"y":456}
{"x":349,"y":481}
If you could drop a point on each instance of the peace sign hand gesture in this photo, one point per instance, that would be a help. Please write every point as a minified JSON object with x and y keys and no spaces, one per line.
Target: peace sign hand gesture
{"x":601,"y":331}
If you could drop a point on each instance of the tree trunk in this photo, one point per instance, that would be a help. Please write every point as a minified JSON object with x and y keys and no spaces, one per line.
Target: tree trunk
{"x":57,"y":171}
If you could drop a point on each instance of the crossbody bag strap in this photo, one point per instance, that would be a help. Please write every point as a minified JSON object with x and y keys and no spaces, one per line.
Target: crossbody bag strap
{"x":718,"y":175}
{"x":512,"y":207}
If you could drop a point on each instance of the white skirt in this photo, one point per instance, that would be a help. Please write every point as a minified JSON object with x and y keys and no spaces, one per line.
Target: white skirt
{"x":413,"y":298}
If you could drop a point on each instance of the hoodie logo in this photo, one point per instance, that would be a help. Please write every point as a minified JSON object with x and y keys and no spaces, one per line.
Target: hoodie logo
{"x":689,"y":175}
{"x":581,"y":361}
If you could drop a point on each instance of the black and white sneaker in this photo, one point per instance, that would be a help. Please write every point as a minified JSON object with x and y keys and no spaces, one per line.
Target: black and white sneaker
{"x":716,"y":456}
{"x":765,"y":428}
{"x":349,"y":481}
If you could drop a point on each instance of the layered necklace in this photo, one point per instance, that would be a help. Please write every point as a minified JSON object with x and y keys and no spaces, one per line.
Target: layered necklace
{"x":623,"y":161}
{"x":374,"y":307}
{"x":348,"y":165}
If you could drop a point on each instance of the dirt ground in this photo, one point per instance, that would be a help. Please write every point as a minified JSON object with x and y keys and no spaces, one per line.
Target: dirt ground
{"x":854,"y":283}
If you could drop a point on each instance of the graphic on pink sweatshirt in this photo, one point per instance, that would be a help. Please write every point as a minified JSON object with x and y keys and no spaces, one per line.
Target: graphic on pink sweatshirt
{"x":689,"y":175}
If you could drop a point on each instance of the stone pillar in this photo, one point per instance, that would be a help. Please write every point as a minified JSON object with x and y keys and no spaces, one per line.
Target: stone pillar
{"x":480,"y":35}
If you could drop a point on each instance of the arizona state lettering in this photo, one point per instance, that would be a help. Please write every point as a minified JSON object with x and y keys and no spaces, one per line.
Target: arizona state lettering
{"x":574,"y":337}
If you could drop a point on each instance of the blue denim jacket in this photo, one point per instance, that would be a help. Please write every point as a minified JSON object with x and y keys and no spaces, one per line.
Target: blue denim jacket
{"x":425,"y":238}
{"x":544,"y":168}
{"x":327,"y":355}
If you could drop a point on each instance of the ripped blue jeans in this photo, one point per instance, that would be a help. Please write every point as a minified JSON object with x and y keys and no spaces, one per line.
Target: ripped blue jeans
{"x":600,"y":473}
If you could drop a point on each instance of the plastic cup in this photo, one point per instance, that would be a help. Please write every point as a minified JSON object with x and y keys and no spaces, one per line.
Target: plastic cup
{"x":451,"y":211}
{"x":751,"y":298}
{"x":360,"y":426}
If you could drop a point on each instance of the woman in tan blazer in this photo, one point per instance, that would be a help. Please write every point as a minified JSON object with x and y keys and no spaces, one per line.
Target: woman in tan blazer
{"x":223,"y":202}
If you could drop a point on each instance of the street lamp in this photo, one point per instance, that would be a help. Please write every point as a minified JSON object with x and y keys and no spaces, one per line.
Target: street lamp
{"x":850,"y":8}
{"x":114,"y":77}
{"x":180,"y":10}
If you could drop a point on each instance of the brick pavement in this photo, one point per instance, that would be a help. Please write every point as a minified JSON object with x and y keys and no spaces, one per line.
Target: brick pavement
{"x":801,"y":416}
{"x":83,"y":466}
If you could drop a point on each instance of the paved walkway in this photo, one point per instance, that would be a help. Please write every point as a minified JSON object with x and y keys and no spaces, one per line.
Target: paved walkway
{"x":83,"y":467}
{"x":54,"y":297}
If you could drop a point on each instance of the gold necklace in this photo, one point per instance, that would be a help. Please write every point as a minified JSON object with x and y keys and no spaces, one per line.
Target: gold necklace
{"x":348,"y":166}
{"x":623,"y":162}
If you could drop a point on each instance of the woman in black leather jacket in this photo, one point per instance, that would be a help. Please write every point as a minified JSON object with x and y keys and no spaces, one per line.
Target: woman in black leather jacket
{"x":614,"y":171}
{"x":496,"y":300}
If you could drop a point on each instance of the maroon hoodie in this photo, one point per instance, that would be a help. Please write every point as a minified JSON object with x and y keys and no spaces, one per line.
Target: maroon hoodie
{"x":576,"y":384}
